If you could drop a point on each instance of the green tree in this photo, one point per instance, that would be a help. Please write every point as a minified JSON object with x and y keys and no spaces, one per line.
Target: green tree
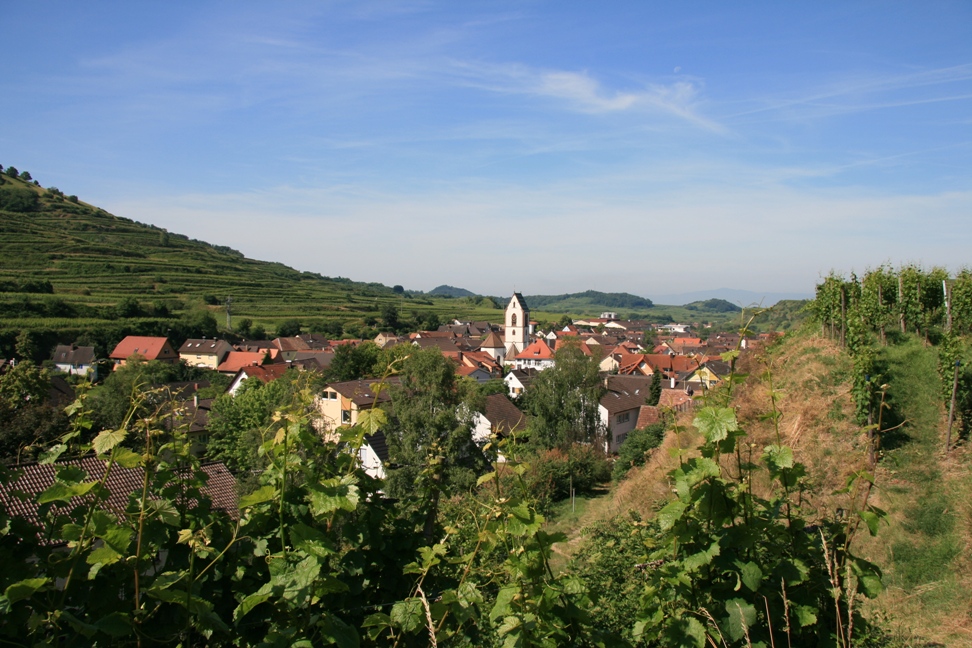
{"x":25,"y":176}
{"x":27,"y":347}
{"x":389,"y":313}
{"x":237,"y":424}
{"x":655,"y":389}
{"x":110,"y":401}
{"x":28,"y":421}
{"x":564,"y":401}
{"x":429,"y":441}
{"x":244,"y":326}
{"x":353,"y":361}
{"x":288,"y":328}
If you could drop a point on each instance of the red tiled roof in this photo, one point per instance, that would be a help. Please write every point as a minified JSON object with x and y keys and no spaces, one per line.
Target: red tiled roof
{"x":675,"y":399}
{"x":150,"y":348}
{"x":236,"y":360}
{"x":536,"y":351}
{"x":266,"y":373}
{"x":121,"y":483}
{"x":648,"y":415}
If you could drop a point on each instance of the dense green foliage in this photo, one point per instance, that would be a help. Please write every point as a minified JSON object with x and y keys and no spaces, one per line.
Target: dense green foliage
{"x":637,"y":448}
{"x":564,"y":400}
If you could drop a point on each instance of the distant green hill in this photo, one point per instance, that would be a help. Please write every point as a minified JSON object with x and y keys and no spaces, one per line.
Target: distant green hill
{"x":713,"y":306}
{"x":450,"y":291}
{"x":586,"y":302}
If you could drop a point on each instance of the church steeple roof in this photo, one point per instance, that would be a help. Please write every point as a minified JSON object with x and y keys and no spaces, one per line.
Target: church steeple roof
{"x":519,"y":298}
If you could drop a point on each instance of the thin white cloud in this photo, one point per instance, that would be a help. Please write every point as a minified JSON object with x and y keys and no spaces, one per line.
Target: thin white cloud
{"x":581,"y":92}
{"x":862,"y":93}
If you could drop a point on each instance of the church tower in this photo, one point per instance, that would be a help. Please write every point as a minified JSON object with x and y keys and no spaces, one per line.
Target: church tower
{"x":517,"y":331}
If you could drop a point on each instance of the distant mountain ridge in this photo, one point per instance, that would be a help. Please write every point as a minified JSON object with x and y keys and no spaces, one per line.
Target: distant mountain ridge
{"x":732,"y":295}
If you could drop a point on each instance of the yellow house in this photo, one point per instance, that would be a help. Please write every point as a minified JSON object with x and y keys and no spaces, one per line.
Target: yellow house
{"x":340,"y":403}
{"x":204,"y":353}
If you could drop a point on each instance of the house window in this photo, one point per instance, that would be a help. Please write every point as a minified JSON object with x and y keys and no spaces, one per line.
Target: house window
{"x":346,"y":416}
{"x":624,"y":418}
{"x":621,"y":438}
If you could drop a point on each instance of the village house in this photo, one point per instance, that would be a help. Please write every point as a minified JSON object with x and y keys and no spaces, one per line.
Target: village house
{"x":620,"y":407}
{"x":535,"y":356}
{"x":76,"y":360}
{"x":518,"y":380}
{"x":147,"y":348}
{"x":499,"y":418}
{"x":341,"y":403}
{"x":204,"y":353}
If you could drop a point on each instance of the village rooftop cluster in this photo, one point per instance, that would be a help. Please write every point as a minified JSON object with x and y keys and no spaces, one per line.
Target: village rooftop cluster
{"x":513,"y":351}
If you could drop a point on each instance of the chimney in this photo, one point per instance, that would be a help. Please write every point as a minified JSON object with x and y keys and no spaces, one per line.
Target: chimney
{"x":195,"y":401}
{"x":673,"y":382}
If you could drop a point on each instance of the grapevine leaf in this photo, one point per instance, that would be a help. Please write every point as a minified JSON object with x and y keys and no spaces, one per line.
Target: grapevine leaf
{"x":778,"y":458}
{"x":485,"y":478}
{"x":260,"y":596}
{"x":668,"y":516}
{"x":24,"y":589}
{"x":372,"y":420}
{"x":52,"y":454}
{"x":502,"y":606}
{"x":805,"y":615}
{"x":336,"y":631}
{"x":62,"y":492}
{"x":333,"y":494}
{"x":872,"y":521}
{"x":868,"y":577}
{"x":741,"y":616}
{"x":260,"y":495}
{"x":108,"y":439}
{"x":127,"y":458}
{"x":408,"y":614}
{"x":715,"y":423}
{"x":752,"y":575}
{"x":685,"y":632}
{"x":116,"y":624}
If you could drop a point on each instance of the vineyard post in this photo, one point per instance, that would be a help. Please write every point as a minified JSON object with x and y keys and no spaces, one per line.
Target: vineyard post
{"x":901,"y":304}
{"x":951,"y":410}
{"x":948,"y":305}
{"x":871,"y":453}
{"x":884,"y":340}
{"x":843,"y":316}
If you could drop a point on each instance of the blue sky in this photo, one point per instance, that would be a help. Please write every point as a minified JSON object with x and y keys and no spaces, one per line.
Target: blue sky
{"x":548,"y":146}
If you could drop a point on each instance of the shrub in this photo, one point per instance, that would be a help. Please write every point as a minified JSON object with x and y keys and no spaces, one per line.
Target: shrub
{"x":17,"y":199}
{"x":636,"y":448}
{"x":550,"y":474}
